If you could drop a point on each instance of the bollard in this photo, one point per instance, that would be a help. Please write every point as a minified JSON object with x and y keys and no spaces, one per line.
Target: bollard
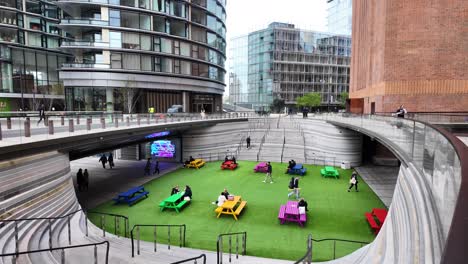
{"x":138,"y":119}
{"x":128,"y":121}
{"x":8,"y":122}
{"x":71,"y":126}
{"x":78,"y":119}
{"x":46,"y":121}
{"x":27,"y":127}
{"x":51,"y":127}
{"x":116,"y":122}
{"x":148,"y":119}
{"x":103,"y":123}
{"x":0,"y":131}
{"x":62,"y":121}
{"x":88,"y":123}
{"x":112,"y":118}
{"x":122,"y":118}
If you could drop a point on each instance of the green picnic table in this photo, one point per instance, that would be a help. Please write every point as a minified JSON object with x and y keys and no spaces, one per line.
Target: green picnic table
{"x":173,"y":202}
{"x":329,"y":172}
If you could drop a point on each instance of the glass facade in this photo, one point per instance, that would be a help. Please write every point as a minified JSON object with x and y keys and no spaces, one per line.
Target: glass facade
{"x":170,"y":38}
{"x":284,"y":62}
{"x":30,"y":57}
{"x":340,"y":16}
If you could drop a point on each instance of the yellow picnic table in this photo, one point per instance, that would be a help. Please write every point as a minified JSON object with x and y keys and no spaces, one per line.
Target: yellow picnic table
{"x":233,"y":207}
{"x":197,"y":163}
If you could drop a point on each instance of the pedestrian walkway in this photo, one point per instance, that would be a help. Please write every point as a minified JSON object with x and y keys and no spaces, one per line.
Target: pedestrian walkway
{"x":104,"y":184}
{"x":381,"y":179}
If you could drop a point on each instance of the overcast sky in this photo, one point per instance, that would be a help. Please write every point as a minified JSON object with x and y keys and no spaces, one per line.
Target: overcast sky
{"x":244,"y":16}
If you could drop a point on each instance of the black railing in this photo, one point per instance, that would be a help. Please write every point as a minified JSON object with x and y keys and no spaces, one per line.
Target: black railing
{"x":219,"y":245}
{"x":307,"y":258}
{"x":260,"y":147}
{"x":284,"y":143}
{"x":49,"y":226}
{"x":116,"y":222}
{"x":202,"y":258}
{"x":62,"y":252}
{"x":136,"y":228}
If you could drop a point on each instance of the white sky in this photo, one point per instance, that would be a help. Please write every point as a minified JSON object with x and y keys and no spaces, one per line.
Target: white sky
{"x":244,"y":16}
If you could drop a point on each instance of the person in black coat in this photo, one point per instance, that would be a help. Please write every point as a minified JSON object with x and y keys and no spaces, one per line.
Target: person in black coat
{"x":187,"y":192}
{"x":175,"y":190}
{"x":103,"y":160}
{"x":80,"y":180}
{"x":156,"y":167}
{"x":85,"y":179}
{"x":353,"y":182}
{"x":110,"y":159}
{"x":302,"y":203}
{"x":248,"y":141}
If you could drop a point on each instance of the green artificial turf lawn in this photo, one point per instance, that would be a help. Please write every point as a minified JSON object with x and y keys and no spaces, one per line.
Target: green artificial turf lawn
{"x":333,"y":212}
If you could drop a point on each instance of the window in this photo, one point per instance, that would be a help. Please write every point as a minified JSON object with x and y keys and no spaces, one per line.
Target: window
{"x":195,"y":51}
{"x":34,"y":39}
{"x":185,"y":49}
{"x":115,"y":39}
{"x":203,"y":68}
{"x":131,"y":61}
{"x":159,"y":24}
{"x":178,"y":9}
{"x":176,"y":47}
{"x":195,"y":69}
{"x":157,"y":44}
{"x":166,"y":65}
{"x":157,"y":64}
{"x":33,"y":7}
{"x":177,"y":66}
{"x":52,"y":43}
{"x":130,"y":41}
{"x":145,"y":4}
{"x":114,"y":18}
{"x":198,"y":16}
{"x":116,"y":60}
{"x":212,"y":39}
{"x":211,"y":22}
{"x":166,"y":45}
{"x":158,"y":5}
{"x":198,"y":34}
{"x":178,"y":28}
{"x":145,"y":41}
{"x":146,"y":63}
{"x":145,"y":22}
{"x":185,"y":67}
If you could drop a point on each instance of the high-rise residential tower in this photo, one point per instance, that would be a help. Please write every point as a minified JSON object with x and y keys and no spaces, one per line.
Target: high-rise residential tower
{"x":284,"y":62}
{"x":30,"y":57}
{"x":411,"y":53}
{"x":132,"y":55}
{"x":340,"y":16}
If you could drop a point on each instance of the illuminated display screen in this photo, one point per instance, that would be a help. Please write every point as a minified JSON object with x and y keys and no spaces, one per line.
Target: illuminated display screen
{"x":158,"y":134}
{"x":163,"y":149}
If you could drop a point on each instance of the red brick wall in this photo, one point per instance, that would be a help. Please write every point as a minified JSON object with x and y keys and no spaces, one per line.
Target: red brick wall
{"x":410,"y":52}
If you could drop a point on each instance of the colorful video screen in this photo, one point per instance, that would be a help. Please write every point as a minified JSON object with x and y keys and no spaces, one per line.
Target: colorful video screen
{"x":163,"y":149}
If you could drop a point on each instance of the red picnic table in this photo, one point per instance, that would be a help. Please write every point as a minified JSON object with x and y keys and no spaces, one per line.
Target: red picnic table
{"x":290,"y":213}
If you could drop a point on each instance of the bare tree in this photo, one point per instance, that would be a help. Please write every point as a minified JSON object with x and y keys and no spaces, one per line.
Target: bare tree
{"x":131,"y":95}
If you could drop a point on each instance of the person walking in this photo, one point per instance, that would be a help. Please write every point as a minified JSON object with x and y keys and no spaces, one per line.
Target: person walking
{"x":268,"y":174}
{"x":86,"y":179}
{"x":248,"y":142}
{"x":353,"y":182}
{"x":41,"y":110}
{"x":401,"y":112}
{"x":79,"y":179}
{"x":103,"y":160}
{"x":110,"y":159}
{"x":148,"y":167}
{"x":156,"y":167}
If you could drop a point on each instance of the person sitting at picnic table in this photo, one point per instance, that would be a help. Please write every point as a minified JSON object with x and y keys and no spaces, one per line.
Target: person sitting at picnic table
{"x":187,"y":192}
{"x":226,"y":159}
{"x":293,"y":163}
{"x":234,"y":159}
{"x":225,"y":193}
{"x":302,"y":203}
{"x":191,"y":159}
{"x":221,"y":199}
{"x":175,"y":190}
{"x":290,"y":166}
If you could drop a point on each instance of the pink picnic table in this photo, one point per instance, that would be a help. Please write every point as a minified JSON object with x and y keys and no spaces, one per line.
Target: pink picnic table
{"x":261,"y":167}
{"x":290,"y":213}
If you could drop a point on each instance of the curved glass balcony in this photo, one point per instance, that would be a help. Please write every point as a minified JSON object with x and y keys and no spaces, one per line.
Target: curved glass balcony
{"x":85,"y":44}
{"x":84,"y":21}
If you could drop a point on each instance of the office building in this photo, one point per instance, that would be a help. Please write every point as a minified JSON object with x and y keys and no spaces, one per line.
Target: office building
{"x":30,"y":57}
{"x":340,"y":16}
{"x":411,"y":53}
{"x":284,"y":62}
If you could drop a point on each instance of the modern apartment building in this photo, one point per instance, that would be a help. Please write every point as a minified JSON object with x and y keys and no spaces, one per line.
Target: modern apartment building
{"x":340,"y":16}
{"x":131,"y":55}
{"x":30,"y":57}
{"x":412,"y":53}
{"x":284,"y":62}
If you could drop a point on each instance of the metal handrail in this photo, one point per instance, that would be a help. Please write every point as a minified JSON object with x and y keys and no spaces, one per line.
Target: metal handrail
{"x":16,"y":254}
{"x":202,"y":256}
{"x":219,"y":245}
{"x":116,"y":223}
{"x":307,"y":258}
{"x":182,"y":231}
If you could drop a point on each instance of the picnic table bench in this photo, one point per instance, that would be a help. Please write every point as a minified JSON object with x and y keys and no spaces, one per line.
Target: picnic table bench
{"x":131,"y":196}
{"x":261,"y":167}
{"x":174,"y":202}
{"x":329,"y":172}
{"x":229,"y":165}
{"x":233,"y":207}
{"x":290,"y":213}
{"x":197,"y":163}
{"x":298,"y":169}
{"x":378,"y":213}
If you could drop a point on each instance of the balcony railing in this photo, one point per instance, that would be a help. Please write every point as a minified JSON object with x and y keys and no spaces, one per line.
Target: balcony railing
{"x":86,"y":65}
{"x":85,"y":21}
{"x":85,"y":44}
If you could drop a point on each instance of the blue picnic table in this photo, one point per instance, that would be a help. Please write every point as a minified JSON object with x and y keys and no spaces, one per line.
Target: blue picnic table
{"x":298,"y":169}
{"x":131,"y":196}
